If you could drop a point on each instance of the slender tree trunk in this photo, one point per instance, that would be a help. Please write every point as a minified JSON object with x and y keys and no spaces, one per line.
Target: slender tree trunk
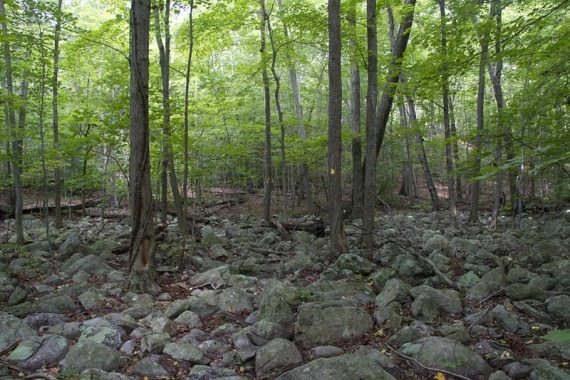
{"x":338,"y":243}
{"x":295,"y":89}
{"x":476,"y":186}
{"x":57,"y":172}
{"x":495,"y":73}
{"x":13,"y":130}
{"x":422,"y":157}
{"x":279,"y":111}
{"x":267,"y":176}
{"x":453,"y":125}
{"x":142,"y":245}
{"x":164,"y":52}
{"x":186,"y":115}
{"x":408,"y":187}
{"x":446,"y":121}
{"x":357,"y":170}
{"x":371,"y":98}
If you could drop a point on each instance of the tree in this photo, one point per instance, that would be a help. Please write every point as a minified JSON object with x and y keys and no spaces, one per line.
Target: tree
{"x":338,"y":243}
{"x":267,"y":176}
{"x":142,"y":244}
{"x":56,"y":143}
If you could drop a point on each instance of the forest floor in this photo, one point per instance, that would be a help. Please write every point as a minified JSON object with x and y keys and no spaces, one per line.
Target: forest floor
{"x":257,"y":302}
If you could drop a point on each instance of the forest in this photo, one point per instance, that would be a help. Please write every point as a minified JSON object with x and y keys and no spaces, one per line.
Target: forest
{"x":285,"y":189}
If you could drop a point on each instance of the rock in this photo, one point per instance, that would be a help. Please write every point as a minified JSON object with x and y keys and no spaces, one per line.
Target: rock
{"x":462,"y":248}
{"x":224,"y":330}
{"x":447,"y":300}
{"x":212,"y":347}
{"x":89,"y":299}
{"x":51,"y":350}
{"x":518,"y":292}
{"x":154,"y":342}
{"x":159,"y":323}
{"x":274,"y":305}
{"x":510,"y":322}
{"x":17,"y":296}
{"x":263,"y":331}
{"x":347,"y":366}
{"x":92,"y":355}
{"x":412,"y":333}
{"x":128,"y":348}
{"x":353,"y":288}
{"x":469,"y":279}
{"x":69,"y":330}
{"x":495,"y":353}
{"x":330,"y":323}
{"x":394,"y":290}
{"x":389,"y":316}
{"x":91,"y":374}
{"x":204,"y":303}
{"x":455,"y":331}
{"x":211,"y":236}
{"x":202,"y":372}
{"x":90,"y":264}
{"x":190,"y":319}
{"x":13,"y":329}
{"x":543,"y":370}
{"x":215,"y":277}
{"x":425,"y":308}
{"x":490,"y":283}
{"x":234,"y":301}
{"x":517,"y":370}
{"x":325,"y":352}
{"x":380,"y":277}
{"x":436,"y":242}
{"x":275,"y":355}
{"x":447,"y":354}
{"x":218,"y":252}
{"x":38,"y":320}
{"x":559,"y":306}
{"x":499,"y":375}
{"x":72,"y":244}
{"x":268,"y":239}
{"x":519,"y":275}
{"x":184,"y":351}
{"x":102,"y":332}
{"x":354,"y":263}
{"x":59,"y":304}
{"x":149,"y":367}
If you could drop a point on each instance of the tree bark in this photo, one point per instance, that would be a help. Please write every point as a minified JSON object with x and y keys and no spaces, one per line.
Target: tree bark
{"x":357,"y":170}
{"x":446,"y":121}
{"x":476,"y":186}
{"x":57,"y":171}
{"x":186,"y":112}
{"x":495,"y":74}
{"x":455,"y":147}
{"x":13,"y":130}
{"x":338,"y":243}
{"x":371,"y":98}
{"x":142,"y":245}
{"x":267,"y":176}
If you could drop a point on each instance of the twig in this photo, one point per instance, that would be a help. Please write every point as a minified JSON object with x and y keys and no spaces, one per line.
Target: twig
{"x":491,"y":296}
{"x":432,"y":369}
{"x":478,"y":319}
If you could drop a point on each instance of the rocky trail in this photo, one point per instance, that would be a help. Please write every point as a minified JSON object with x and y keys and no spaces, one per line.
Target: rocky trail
{"x":429,"y":303}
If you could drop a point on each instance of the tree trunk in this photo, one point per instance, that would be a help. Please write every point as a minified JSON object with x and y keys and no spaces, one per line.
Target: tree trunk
{"x":279,"y":111}
{"x":186,"y":110}
{"x":495,"y":74}
{"x":455,"y":146}
{"x":164,"y":52}
{"x":267,"y":177}
{"x":338,"y":243}
{"x":408,"y":187}
{"x":14,"y":133}
{"x":141,"y":252}
{"x":371,"y":98}
{"x":422,"y":157}
{"x":57,"y":171}
{"x":357,"y":172}
{"x":446,"y":123}
{"x":476,"y":186}
{"x":304,"y":169}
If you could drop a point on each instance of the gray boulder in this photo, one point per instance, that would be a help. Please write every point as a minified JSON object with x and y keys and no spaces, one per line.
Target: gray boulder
{"x":234,"y":301}
{"x":490,"y":283}
{"x":13,"y":329}
{"x":149,"y":367}
{"x":275,"y":355}
{"x":34,"y":354}
{"x":92,"y":355}
{"x":274,"y":305}
{"x":354,"y":263}
{"x":184,"y":351}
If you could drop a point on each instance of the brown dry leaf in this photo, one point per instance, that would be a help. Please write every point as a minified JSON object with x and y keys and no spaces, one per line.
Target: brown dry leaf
{"x":440,"y":376}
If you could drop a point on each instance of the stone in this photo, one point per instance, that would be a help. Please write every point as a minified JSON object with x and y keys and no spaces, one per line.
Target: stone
{"x":559,"y":306}
{"x":159,"y":323}
{"x":394,"y":290}
{"x":354,"y":263}
{"x":149,"y":367}
{"x":184,"y":351}
{"x":203,"y":372}
{"x":234,"y":301}
{"x":347,"y":366}
{"x":216,"y":277}
{"x":190,"y":319}
{"x":128,"y":348}
{"x":510,"y":321}
{"x":204,"y":303}
{"x":325,"y":351}
{"x":490,"y":283}
{"x":436,"y":242}
{"x":499,"y":375}
{"x":59,"y":304}
{"x":92,"y":355}
{"x":543,"y":370}
{"x":469,"y":279}
{"x":17,"y":296}
{"x":276,"y":355}
{"x":51,"y":350}
{"x":517,"y":370}
{"x":212,"y":347}
{"x":91,"y":264}
{"x":412,"y":333}
{"x":92,"y":374}
{"x":38,"y":320}
{"x":13,"y":329}
{"x":263,"y":331}
{"x":218,"y":252}
{"x":380,"y":277}
{"x":268,"y":239}
{"x":89,"y":299}
{"x":103,"y":332}
{"x":274,"y":305}
{"x":447,"y":354}
{"x":330,"y":323}
{"x":154,"y":342}
{"x":389,"y":316}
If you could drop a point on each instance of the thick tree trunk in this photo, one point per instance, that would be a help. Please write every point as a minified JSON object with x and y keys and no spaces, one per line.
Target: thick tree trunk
{"x":267,"y":176}
{"x":164,"y":52}
{"x":476,"y":186}
{"x":422,"y":157}
{"x":446,"y":121}
{"x":338,"y":243}
{"x":142,"y":245}
{"x":371,"y":98}
{"x":14,"y":133}
{"x":57,"y":172}
{"x":357,"y":171}
{"x":495,"y":73}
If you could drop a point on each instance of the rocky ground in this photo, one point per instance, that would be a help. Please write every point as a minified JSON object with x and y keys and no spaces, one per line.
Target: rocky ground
{"x":429,"y":303}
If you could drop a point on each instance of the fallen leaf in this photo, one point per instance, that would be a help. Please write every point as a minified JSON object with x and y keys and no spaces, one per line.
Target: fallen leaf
{"x":440,"y":376}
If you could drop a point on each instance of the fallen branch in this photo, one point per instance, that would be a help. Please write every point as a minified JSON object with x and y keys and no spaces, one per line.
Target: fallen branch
{"x":432,"y":369}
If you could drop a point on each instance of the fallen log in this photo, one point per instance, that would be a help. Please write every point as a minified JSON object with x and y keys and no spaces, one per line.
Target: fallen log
{"x":314,"y":226}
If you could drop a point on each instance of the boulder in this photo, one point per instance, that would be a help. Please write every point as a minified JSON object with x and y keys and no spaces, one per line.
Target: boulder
{"x":13,"y":329}
{"x":92,"y":355}
{"x":276,"y":355}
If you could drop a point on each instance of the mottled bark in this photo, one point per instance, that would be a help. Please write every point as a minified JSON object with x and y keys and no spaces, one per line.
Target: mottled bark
{"x":267,"y":176}
{"x":57,"y":171}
